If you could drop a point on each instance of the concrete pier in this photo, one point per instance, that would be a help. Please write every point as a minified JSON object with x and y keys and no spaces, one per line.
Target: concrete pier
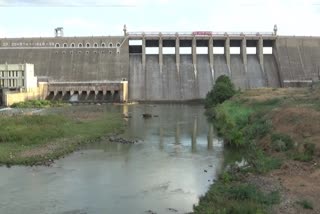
{"x":260,"y":51}
{"x":243,"y":51}
{"x":210,"y":52}
{"x":227,"y":53}
{"x":177,"y":52}
{"x":143,"y":59}
{"x":160,"y":52}
{"x":194,"y":56}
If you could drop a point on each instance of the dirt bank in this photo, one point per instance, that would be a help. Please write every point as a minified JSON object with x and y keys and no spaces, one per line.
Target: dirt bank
{"x":282,"y":126}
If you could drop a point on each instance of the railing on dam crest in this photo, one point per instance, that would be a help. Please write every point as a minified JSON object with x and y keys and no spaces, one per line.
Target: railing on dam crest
{"x":200,"y":34}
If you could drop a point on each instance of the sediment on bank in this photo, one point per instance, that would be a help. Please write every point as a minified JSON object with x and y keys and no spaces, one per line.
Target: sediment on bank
{"x":40,"y":139}
{"x":277,"y":132}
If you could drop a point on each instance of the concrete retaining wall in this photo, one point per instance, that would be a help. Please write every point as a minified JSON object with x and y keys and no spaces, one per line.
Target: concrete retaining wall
{"x":11,"y":97}
{"x":298,"y":58}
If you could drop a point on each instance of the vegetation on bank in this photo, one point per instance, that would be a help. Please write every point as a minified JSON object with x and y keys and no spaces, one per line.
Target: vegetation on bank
{"x":38,"y":104}
{"x":222,"y":90}
{"x":39,"y":139}
{"x":305,"y":204}
{"x":250,"y":122}
{"x":235,"y":197}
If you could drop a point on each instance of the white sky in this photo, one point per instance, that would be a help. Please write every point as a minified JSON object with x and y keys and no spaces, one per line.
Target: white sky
{"x":24,"y":18}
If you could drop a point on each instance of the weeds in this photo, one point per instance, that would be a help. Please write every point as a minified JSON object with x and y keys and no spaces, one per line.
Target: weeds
{"x":230,"y":119}
{"x":281,"y":142}
{"x":56,"y":134}
{"x":305,"y":204}
{"x":246,"y":124}
{"x":306,"y":155}
{"x":37,"y":104}
{"x":258,"y":129}
{"x":238,"y":198}
{"x":261,"y":163}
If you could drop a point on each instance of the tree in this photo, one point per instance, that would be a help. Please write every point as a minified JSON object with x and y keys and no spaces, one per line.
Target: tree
{"x":222,"y":90}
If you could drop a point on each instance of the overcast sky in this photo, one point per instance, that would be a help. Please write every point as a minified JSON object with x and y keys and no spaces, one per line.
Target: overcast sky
{"x":24,"y":18}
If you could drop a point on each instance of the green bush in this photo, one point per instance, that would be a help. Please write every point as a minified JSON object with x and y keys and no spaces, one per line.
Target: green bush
{"x":260,"y":162}
{"x":309,"y":148}
{"x":37,"y":104}
{"x":226,"y":177}
{"x":307,"y":154}
{"x":230,"y":119}
{"x":281,"y":142}
{"x":258,"y":129}
{"x":251,"y":193}
{"x":305,"y":204}
{"x":236,"y":199}
{"x":221,"y":91}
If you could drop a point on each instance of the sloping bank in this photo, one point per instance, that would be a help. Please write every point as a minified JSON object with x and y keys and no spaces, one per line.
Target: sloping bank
{"x":40,"y":139}
{"x":276,"y":136}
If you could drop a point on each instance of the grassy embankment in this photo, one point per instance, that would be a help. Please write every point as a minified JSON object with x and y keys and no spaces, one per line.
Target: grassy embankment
{"x":38,"y":104}
{"x":270,"y":127}
{"x":39,"y":139}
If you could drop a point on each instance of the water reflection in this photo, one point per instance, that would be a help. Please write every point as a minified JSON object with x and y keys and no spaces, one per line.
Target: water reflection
{"x":161,"y":138}
{"x":210,"y":137}
{"x":177,"y":136}
{"x":164,"y":170}
{"x":194,"y":135}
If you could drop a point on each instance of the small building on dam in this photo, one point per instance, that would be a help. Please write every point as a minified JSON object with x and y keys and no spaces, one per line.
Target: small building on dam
{"x":162,"y":66}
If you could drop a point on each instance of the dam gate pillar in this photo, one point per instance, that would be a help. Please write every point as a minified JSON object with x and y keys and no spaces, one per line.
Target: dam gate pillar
{"x":227,"y":53}
{"x":210,"y":51}
{"x":243,"y":51}
{"x":194,"y":55}
{"x":177,"y":53}
{"x":160,"y":52}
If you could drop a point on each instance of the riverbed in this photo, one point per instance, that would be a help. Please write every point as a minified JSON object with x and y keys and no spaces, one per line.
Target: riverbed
{"x":175,"y":160}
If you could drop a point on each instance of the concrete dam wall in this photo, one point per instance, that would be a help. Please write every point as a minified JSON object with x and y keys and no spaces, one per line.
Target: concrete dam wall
{"x":70,"y":59}
{"x":298,"y":58}
{"x":150,"y":83}
{"x":166,"y":77}
{"x":180,"y":76}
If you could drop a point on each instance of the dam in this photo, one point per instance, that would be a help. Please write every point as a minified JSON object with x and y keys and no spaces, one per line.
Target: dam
{"x":183,"y":65}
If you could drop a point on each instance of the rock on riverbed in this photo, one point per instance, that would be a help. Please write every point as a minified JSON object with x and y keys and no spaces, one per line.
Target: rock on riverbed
{"x":122,"y":140}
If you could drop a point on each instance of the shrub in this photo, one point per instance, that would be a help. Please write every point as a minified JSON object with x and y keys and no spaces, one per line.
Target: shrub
{"x":258,"y":129}
{"x":226,"y":177}
{"x":251,"y":193}
{"x":236,"y":199}
{"x":281,"y":142}
{"x":221,"y":91}
{"x":307,"y":154}
{"x":260,"y":162}
{"x":309,"y":148}
{"x":305,"y":204}
{"x":37,"y":104}
{"x":230,"y":119}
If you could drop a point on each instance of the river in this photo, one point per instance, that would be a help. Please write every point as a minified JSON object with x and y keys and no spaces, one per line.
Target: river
{"x":177,"y":158}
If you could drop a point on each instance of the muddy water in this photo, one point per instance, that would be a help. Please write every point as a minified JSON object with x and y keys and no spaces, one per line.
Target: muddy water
{"x":164,"y":171}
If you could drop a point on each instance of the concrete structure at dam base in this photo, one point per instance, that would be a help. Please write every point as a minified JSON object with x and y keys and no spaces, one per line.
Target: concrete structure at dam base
{"x":18,"y":84}
{"x":164,"y":66}
{"x":9,"y":97}
{"x":91,"y":91}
